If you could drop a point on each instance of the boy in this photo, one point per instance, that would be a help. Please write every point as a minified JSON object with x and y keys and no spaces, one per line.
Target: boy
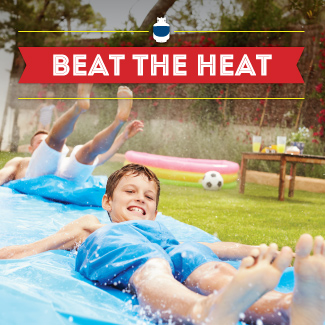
{"x":48,"y":149}
{"x":137,"y":252}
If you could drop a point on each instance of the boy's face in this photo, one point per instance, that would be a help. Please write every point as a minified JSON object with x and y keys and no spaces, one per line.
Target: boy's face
{"x":134,"y":198}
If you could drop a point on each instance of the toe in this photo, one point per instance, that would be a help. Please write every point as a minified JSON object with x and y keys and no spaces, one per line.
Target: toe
{"x":255,"y":252}
{"x":284,"y":259}
{"x":318,"y":245}
{"x":247,"y":262}
{"x":271,"y":252}
{"x":263,"y":250}
{"x":304,"y":245}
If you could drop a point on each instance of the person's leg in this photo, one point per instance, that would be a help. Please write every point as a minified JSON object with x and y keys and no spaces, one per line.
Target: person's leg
{"x":272,"y":308}
{"x":158,"y":291}
{"x":308,"y":301}
{"x":68,"y":237}
{"x":43,"y":127}
{"x":49,"y":155}
{"x":64,"y":126}
{"x":103,"y":140}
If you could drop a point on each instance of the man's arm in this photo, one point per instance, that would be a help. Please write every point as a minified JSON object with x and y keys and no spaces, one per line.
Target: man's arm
{"x":230,"y":251}
{"x":8,"y":172}
{"x":130,"y":131}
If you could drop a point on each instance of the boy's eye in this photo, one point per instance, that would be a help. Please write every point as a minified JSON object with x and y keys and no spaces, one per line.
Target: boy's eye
{"x":129,"y":191}
{"x":149,"y":197}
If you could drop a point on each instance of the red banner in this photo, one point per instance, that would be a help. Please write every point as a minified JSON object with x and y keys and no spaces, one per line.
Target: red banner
{"x":161,"y":65}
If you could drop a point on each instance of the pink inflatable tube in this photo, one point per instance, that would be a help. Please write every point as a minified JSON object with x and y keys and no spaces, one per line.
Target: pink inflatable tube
{"x":183,"y":164}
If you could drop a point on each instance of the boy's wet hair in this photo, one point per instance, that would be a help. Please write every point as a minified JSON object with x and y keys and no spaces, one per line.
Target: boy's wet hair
{"x":131,"y":169}
{"x":37,"y":133}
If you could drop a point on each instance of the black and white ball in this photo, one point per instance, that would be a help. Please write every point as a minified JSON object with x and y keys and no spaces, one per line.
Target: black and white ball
{"x":212,"y":181}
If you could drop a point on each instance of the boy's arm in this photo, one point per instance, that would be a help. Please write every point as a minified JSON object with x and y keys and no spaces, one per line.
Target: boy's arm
{"x":69,"y":237}
{"x":230,"y":251}
{"x":8,"y":172}
{"x":130,"y":131}
{"x":233,"y":251}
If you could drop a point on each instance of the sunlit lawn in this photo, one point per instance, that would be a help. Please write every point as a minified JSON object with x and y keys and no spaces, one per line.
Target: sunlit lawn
{"x":252,"y":218}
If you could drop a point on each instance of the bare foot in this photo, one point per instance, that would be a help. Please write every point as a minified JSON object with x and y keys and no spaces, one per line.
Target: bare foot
{"x":255,"y":277}
{"x":124,"y":105}
{"x":308,"y":301}
{"x":84,"y":92}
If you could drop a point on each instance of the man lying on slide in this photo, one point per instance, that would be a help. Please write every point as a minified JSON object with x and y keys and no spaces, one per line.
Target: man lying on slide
{"x":49,"y":151}
{"x":186,"y":281}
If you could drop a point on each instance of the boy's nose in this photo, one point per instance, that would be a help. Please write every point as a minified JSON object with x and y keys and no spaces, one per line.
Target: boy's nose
{"x":140,"y":198}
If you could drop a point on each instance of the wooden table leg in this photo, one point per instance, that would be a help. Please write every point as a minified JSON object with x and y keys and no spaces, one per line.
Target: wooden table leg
{"x":242,"y":175}
{"x":282,"y":177}
{"x":292,"y":179}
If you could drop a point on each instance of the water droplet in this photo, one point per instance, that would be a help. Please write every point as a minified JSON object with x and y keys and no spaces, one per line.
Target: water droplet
{"x":241,"y":316}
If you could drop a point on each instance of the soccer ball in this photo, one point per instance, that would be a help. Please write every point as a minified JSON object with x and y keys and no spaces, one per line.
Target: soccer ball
{"x":212,"y":181}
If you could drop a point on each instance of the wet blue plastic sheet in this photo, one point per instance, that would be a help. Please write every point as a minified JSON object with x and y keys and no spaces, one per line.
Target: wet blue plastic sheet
{"x":45,"y":289}
{"x":62,"y":190}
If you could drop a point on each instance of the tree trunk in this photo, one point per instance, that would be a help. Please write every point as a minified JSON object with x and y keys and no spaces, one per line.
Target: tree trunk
{"x":69,"y":24}
{"x":5,"y":112}
{"x":15,"y":133}
{"x":15,"y":74}
{"x":41,"y":15}
{"x":158,"y":10}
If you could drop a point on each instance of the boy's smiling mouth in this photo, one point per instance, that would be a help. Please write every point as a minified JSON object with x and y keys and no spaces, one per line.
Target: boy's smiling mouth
{"x":137,"y":209}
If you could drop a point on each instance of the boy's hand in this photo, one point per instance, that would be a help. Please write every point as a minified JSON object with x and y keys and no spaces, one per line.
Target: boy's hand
{"x":133,"y":128}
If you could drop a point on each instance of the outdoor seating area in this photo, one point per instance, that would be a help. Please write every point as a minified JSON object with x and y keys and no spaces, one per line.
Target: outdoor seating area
{"x":283,"y":159}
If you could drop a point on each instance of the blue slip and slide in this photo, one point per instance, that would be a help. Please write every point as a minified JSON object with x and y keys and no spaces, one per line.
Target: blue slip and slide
{"x":45,"y":288}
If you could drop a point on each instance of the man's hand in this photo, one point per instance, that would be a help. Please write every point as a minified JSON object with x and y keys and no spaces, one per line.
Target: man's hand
{"x":133,"y":128}
{"x":130,"y":131}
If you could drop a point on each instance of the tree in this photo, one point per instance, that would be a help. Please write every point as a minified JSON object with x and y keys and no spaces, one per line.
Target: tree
{"x":158,"y":10}
{"x":309,"y":9}
{"x":38,"y":15}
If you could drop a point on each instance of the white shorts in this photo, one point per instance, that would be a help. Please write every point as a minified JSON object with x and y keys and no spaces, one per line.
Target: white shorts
{"x":73,"y":170}
{"x":47,"y":161}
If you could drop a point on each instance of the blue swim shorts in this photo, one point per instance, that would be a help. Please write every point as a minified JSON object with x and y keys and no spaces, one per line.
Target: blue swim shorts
{"x":114,"y":252}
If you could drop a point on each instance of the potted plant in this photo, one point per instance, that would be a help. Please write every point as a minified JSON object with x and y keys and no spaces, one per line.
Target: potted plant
{"x":299,"y":138}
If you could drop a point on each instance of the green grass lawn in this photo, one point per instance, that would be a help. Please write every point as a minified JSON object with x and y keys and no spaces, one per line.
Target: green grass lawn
{"x":253,"y":218}
{"x":5,"y":156}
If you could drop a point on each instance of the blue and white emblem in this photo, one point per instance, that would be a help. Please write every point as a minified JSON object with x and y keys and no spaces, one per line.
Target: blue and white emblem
{"x":161,"y":30}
